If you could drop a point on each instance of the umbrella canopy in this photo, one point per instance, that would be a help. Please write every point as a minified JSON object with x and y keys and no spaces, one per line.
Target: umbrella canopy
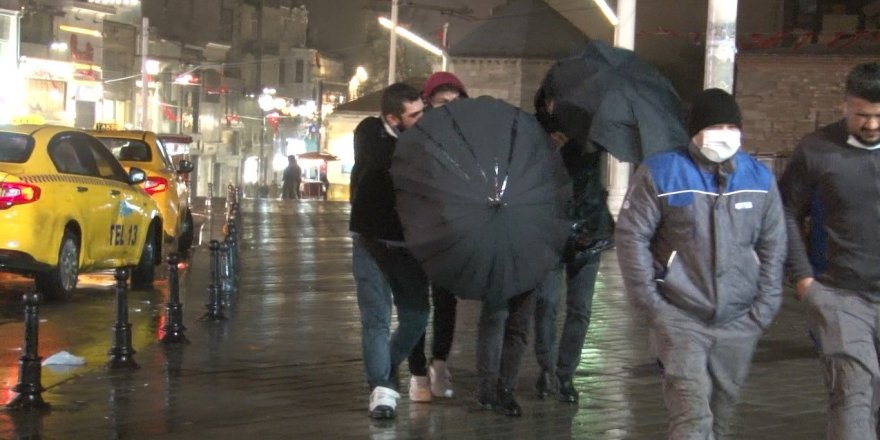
{"x":317,"y":155}
{"x":481,"y":193}
{"x":606,"y":98}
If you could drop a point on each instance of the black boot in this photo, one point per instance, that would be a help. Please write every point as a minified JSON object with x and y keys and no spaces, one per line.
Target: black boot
{"x":506,"y":403}
{"x":567,"y":392}
{"x":486,"y":396}
{"x":543,"y":385}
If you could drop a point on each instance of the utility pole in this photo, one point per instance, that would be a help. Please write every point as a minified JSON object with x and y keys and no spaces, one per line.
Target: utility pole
{"x":720,"y":45}
{"x":444,"y":46}
{"x":262,"y":162}
{"x":619,"y":172}
{"x":392,"y":50}
{"x":145,"y":78}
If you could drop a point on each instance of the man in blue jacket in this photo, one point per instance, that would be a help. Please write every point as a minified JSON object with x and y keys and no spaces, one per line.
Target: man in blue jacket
{"x":701,"y":243}
{"x":833,"y":179}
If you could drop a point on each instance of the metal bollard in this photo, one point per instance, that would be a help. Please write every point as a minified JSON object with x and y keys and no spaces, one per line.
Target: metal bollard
{"x":29,"y":388}
{"x":122,"y":353}
{"x":235,"y":260}
{"x":226,"y":283}
{"x":173,"y":329}
{"x":232,"y":230}
{"x":232,"y":256}
{"x":215,"y":302}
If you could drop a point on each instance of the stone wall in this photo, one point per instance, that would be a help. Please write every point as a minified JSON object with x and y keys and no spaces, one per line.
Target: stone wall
{"x":497,"y":77}
{"x":785,"y":96}
{"x":512,"y":80}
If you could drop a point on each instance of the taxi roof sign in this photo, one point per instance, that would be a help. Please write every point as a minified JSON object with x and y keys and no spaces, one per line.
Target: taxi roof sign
{"x":106,"y":126}
{"x":31,"y":119}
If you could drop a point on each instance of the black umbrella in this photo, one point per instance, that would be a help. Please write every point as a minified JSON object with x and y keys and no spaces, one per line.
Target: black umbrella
{"x":480,"y":194}
{"x":605,"y":97}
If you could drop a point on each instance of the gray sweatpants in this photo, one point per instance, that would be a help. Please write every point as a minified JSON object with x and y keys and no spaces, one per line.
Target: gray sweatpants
{"x":846,"y":327}
{"x":704,"y":368}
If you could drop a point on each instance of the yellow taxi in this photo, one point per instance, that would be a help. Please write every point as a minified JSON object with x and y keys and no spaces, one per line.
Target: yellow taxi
{"x":67,"y":206}
{"x":165,"y":182}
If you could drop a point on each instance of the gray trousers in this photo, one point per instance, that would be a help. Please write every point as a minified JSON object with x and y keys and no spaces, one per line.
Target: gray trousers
{"x":704,"y":368}
{"x":846,"y":327}
{"x":579,"y":289}
{"x":502,"y":336}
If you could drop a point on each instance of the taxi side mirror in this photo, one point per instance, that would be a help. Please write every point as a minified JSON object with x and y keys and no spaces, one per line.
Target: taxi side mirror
{"x":136,"y":175}
{"x":184,"y":166}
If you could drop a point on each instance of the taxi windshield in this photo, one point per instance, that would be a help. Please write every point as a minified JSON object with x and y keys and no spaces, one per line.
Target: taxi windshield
{"x":15,"y":147}
{"x":128,"y":149}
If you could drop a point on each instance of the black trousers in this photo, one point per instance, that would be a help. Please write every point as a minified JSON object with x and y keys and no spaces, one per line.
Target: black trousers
{"x":444,"y":329}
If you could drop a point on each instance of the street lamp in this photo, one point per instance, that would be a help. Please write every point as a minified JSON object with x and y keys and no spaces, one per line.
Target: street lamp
{"x":413,"y":38}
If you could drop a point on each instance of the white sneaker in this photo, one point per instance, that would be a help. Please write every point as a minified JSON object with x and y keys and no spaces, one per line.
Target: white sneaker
{"x":383,"y":403}
{"x":419,"y":389}
{"x":441,"y":380}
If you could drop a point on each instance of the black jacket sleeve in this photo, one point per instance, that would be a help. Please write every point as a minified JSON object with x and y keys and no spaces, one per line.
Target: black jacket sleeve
{"x":797,"y":188}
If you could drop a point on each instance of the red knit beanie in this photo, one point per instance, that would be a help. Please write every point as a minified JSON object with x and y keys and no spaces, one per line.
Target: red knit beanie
{"x":438,"y":79}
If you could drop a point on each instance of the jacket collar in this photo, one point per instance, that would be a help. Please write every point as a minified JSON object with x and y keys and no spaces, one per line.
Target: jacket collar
{"x":388,"y":128}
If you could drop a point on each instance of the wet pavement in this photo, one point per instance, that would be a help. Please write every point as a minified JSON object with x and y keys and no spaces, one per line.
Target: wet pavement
{"x":287,"y":362}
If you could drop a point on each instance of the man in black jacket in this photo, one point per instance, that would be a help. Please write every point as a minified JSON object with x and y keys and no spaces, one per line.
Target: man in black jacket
{"x":592,"y":230}
{"x":833,"y":180}
{"x":384,"y":270}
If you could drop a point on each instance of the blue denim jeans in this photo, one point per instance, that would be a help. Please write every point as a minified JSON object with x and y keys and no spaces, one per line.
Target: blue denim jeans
{"x":578,"y":308}
{"x":385,"y":275}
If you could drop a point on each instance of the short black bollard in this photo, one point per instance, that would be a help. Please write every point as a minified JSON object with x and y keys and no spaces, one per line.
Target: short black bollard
{"x":232,"y":228}
{"x":173,"y":329}
{"x":232,"y":258}
{"x":215,"y":301}
{"x":29,"y":388}
{"x":122,"y":353}
{"x":226,"y":282}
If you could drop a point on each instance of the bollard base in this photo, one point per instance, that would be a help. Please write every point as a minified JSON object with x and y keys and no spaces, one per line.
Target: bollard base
{"x":28,"y":402}
{"x":174,"y":337}
{"x":122,"y":352}
{"x":213,"y":316}
{"x":172,"y":332}
{"x":122,"y":362}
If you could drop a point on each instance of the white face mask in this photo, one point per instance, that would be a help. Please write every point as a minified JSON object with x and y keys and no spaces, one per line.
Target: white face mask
{"x":720,"y":145}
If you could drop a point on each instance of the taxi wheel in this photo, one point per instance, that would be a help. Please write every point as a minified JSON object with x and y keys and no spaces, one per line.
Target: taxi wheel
{"x":187,"y":233}
{"x":59,"y":282}
{"x":145,"y":272}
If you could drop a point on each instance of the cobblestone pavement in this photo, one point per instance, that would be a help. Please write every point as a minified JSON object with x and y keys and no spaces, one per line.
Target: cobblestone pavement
{"x":287,"y":363}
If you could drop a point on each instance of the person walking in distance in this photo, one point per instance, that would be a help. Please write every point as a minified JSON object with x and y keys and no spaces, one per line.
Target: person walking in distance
{"x":385,"y":272}
{"x":831,"y":192}
{"x":433,"y":379}
{"x":291,"y":179}
{"x":701,"y":243}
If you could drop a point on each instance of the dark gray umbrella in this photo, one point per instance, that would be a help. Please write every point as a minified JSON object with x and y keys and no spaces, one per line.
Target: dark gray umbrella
{"x":481,"y":193}
{"x":605,"y":97}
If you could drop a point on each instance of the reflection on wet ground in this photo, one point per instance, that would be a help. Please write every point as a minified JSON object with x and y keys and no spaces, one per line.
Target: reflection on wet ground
{"x":287,"y":364}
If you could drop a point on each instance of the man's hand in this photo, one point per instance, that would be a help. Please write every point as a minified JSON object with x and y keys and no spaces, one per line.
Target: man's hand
{"x":559,"y":139}
{"x":803,"y":284}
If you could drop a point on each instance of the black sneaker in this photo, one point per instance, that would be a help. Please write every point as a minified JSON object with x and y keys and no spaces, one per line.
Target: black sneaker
{"x":507,"y":403}
{"x":566,"y":392}
{"x":542,"y":386}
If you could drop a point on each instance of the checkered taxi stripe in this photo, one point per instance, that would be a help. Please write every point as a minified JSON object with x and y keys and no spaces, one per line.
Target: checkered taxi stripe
{"x":70,"y":178}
